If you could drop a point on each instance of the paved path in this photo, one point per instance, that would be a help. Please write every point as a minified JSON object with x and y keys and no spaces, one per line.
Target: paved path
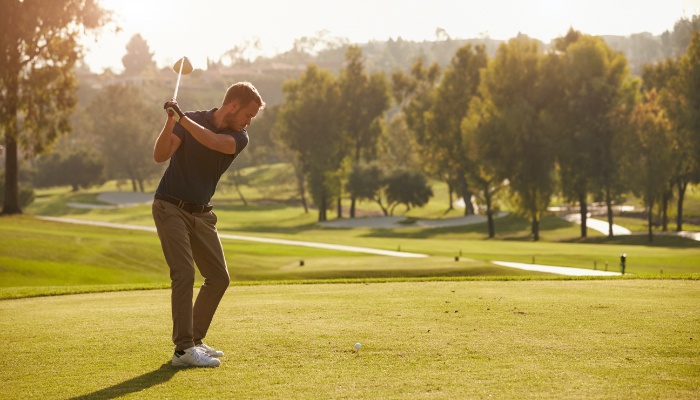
{"x":115,"y":200}
{"x":598,"y":225}
{"x":556,"y":270}
{"x":328,"y":246}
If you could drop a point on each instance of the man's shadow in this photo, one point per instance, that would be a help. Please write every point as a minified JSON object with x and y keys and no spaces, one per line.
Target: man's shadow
{"x":137,"y":384}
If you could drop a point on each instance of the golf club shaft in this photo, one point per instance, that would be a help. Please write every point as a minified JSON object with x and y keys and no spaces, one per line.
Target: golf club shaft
{"x":179,"y":74}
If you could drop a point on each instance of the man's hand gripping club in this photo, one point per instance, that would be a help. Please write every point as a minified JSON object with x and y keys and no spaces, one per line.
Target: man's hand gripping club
{"x":173,"y":110}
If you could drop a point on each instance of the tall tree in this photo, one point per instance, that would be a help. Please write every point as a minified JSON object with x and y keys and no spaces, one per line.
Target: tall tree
{"x":414,"y":93}
{"x":443,"y":141}
{"x":653,"y":158}
{"x":477,"y":131}
{"x":665,"y":78}
{"x":308,"y":124}
{"x":40,"y":46}
{"x":517,"y":94}
{"x":688,"y":86}
{"x":138,"y":57}
{"x":591,"y":79}
{"x":365,"y":100}
{"x":124,"y":123}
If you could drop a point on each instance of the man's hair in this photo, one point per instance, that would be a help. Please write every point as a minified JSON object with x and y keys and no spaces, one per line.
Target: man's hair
{"x":244,"y":93}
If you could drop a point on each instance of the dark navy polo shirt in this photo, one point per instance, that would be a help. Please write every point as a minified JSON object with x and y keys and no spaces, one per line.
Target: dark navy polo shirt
{"x":194,"y":170}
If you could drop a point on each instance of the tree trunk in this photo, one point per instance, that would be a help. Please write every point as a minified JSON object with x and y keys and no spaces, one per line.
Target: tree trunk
{"x":682,"y":185}
{"x":535,"y":228}
{"x":664,"y":211}
{"x":301,"y":188}
{"x":584,"y":214}
{"x":450,"y":191}
{"x":236,"y":175}
{"x":489,"y":212}
{"x":322,"y":209}
{"x":339,"y":208}
{"x":352,"y":206}
{"x":11,"y":199}
{"x":608,"y":203}
{"x":650,"y":217}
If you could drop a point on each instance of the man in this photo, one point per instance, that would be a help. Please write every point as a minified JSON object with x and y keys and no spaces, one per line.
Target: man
{"x":200,"y":145}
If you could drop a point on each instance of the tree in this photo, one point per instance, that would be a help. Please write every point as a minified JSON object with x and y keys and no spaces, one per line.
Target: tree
{"x":308,"y":124}
{"x":125,"y":124}
{"x":81,"y":168}
{"x":688,"y":113}
{"x":366,"y":182}
{"x":40,"y":46}
{"x":653,"y":157}
{"x":415,"y":94}
{"x":409,"y":188}
{"x":443,"y":144}
{"x":397,"y":146}
{"x":365,"y":99}
{"x":138,"y":58}
{"x":591,"y":78}
{"x":677,"y":41}
{"x":483,"y":176}
{"x":518,"y":96}
{"x":665,"y":79}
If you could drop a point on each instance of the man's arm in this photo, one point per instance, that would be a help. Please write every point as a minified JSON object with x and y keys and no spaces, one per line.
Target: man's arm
{"x":167,"y":142}
{"x":222,"y":143}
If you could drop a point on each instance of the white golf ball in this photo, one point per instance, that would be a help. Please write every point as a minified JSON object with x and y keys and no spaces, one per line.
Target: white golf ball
{"x":358,"y":346}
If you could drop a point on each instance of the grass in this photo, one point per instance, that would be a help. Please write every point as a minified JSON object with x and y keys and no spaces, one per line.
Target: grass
{"x":39,"y":256}
{"x":420,"y":340}
{"x":430,"y":328}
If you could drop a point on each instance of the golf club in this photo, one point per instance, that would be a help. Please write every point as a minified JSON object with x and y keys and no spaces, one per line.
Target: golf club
{"x":182,"y":67}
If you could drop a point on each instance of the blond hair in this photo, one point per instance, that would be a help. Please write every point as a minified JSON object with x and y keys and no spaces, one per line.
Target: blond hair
{"x":244,"y":93}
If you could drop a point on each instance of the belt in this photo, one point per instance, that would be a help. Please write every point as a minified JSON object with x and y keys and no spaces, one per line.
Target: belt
{"x":189,"y":207}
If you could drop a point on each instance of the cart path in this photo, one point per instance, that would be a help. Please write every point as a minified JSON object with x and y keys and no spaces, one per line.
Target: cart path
{"x":556,"y":270}
{"x":286,"y":242}
{"x":355,"y":249}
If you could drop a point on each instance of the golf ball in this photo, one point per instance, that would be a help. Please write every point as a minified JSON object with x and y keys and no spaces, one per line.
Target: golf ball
{"x":358,"y":346}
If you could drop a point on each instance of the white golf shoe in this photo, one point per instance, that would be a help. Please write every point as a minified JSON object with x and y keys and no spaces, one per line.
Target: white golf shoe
{"x":210,"y":350}
{"x":195,"y":357}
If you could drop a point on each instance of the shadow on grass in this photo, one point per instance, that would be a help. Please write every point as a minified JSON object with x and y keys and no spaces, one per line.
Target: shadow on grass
{"x":134,"y":385}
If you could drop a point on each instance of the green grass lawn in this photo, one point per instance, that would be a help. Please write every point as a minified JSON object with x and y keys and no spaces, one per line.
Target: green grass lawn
{"x":593,"y":339}
{"x":430,"y":327}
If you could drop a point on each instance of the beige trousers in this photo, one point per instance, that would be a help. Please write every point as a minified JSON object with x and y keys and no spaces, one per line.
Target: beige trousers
{"x":188,"y":239}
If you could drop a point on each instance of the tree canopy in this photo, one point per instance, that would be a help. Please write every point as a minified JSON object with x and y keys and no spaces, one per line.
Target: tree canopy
{"x":40,"y":46}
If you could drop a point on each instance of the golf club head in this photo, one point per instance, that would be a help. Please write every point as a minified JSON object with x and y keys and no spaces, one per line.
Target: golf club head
{"x":186,"y":66}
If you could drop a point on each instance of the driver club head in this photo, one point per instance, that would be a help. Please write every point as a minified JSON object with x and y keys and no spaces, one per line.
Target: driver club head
{"x":185,"y":64}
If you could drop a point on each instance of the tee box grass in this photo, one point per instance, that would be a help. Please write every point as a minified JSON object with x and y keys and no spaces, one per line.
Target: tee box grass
{"x":593,"y":339}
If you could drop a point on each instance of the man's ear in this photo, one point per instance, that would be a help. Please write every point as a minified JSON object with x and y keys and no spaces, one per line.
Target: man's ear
{"x":234,"y":105}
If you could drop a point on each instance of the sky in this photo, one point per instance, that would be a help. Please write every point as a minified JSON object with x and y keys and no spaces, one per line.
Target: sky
{"x":201,"y":29}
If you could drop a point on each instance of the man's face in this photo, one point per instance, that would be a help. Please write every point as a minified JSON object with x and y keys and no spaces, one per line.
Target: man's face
{"x":238,"y":118}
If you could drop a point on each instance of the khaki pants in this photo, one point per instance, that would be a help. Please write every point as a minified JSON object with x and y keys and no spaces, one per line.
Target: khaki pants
{"x":188,"y":239}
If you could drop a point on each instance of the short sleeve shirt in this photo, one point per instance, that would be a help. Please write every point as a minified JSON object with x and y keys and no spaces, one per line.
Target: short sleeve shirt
{"x":194,"y":170}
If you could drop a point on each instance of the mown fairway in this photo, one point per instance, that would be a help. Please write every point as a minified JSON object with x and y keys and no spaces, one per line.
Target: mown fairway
{"x":41,"y":257}
{"x":538,"y":339}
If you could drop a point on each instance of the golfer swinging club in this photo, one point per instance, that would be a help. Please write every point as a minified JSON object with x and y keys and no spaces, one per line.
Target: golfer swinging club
{"x":200,"y":145}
